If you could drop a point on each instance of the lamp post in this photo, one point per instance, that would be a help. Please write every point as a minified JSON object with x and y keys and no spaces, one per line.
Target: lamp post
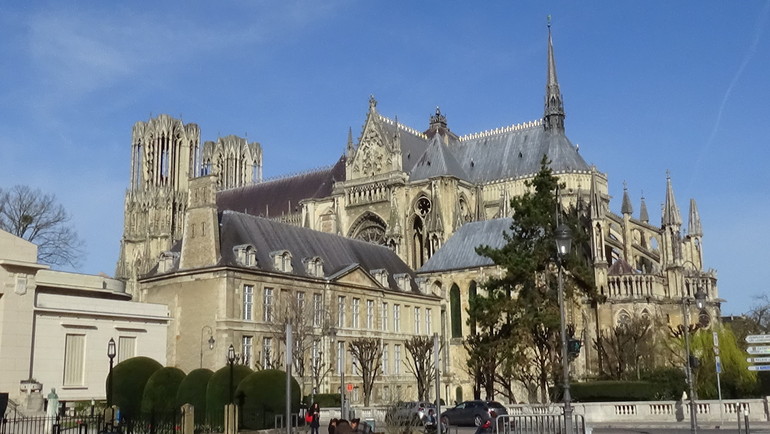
{"x":563,"y":244}
{"x":700,"y":297}
{"x":230,"y":361}
{"x":211,"y":341}
{"x":111,"y":351}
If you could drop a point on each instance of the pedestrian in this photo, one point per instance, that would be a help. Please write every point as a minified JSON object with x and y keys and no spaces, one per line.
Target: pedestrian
{"x":332,"y":425}
{"x":315,"y":422}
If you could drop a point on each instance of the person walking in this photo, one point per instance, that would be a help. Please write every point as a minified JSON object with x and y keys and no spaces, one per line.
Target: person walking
{"x":315,"y":422}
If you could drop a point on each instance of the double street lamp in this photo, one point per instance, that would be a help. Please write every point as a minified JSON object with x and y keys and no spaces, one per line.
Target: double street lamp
{"x":111,"y":352}
{"x":563,"y":245}
{"x":700,"y":300}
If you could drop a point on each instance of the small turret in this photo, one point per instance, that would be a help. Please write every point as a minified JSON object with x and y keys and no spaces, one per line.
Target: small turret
{"x":694,"y":228}
{"x":626,"y":208}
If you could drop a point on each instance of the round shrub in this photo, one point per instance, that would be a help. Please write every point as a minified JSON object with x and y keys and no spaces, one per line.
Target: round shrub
{"x":160,"y":391}
{"x":218,"y":391}
{"x":264,"y":396}
{"x":192,"y":390}
{"x":129,"y":378}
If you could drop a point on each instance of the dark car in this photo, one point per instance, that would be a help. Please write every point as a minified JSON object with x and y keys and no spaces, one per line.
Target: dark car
{"x":473,"y":413}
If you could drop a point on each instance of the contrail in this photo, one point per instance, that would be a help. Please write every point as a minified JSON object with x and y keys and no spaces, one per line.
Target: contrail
{"x":759,"y":29}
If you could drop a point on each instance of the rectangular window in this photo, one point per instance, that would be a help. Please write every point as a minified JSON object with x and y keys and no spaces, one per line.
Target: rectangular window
{"x":267,"y":305}
{"x":384,"y":316}
{"x":314,"y":361}
{"x":267,"y":352}
{"x":369,"y":314}
{"x":397,"y":359}
{"x":341,"y":311}
{"x":428,"y":322}
{"x":247,"y":347}
{"x":396,"y":318}
{"x":340,"y":357}
{"x":356,"y":312}
{"x":300,"y":302}
{"x":248,"y":302}
{"x":318,"y":309}
{"x":126,"y":348}
{"x":417,"y":320}
{"x":74,"y":359}
{"x":385,"y":359}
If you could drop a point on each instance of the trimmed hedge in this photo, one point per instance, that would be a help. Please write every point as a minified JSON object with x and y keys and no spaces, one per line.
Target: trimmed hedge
{"x":597,"y":391}
{"x":218,"y":391}
{"x":325,"y":400}
{"x":129,"y":378}
{"x":161,"y":390}
{"x":192,"y":390}
{"x":263,"y":395}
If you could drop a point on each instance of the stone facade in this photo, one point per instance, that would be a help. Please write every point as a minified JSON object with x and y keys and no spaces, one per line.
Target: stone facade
{"x":54,"y":328}
{"x":411,"y":191}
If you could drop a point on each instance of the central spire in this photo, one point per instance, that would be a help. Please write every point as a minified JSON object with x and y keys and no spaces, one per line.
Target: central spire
{"x":553,"y":118}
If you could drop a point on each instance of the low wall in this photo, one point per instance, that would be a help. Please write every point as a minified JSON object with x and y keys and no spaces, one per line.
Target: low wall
{"x":617,"y":412}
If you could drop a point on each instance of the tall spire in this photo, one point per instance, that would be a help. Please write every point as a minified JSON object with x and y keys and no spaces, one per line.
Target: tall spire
{"x":643,"y":214}
{"x":350,"y":149}
{"x":553,"y":118}
{"x":671,"y":215}
{"x":694,"y":228}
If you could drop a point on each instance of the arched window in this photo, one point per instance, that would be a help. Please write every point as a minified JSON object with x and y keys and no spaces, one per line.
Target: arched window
{"x":418,"y":243}
{"x":369,"y":227}
{"x":454,"y":305}
{"x":471,"y":295}
{"x":624,"y":318}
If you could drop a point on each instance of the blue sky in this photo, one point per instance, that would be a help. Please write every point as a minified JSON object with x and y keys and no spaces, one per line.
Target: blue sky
{"x":648,"y":87}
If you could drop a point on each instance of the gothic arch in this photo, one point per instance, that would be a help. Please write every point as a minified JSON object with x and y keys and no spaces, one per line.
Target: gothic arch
{"x":369,"y":227}
{"x":623,"y":318}
{"x":472,"y":292}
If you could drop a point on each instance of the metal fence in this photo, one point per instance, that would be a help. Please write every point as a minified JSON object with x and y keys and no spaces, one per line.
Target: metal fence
{"x":53,"y":425}
{"x":538,"y":424}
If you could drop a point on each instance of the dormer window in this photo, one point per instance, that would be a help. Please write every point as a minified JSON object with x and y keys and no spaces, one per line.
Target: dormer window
{"x":422,"y":285}
{"x":381,"y":276}
{"x":403,"y":280}
{"x":168,"y":261}
{"x":314,"y":266}
{"x":245,"y":255}
{"x":282,"y":261}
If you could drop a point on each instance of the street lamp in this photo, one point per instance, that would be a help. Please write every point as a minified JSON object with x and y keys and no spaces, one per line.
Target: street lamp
{"x":563,"y":244}
{"x":700,"y":299}
{"x":230,"y":361}
{"x":211,"y":341}
{"x":111,"y":351}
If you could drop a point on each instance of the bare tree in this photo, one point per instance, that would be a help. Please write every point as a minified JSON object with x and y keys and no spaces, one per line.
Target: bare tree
{"x":628,"y":348}
{"x":421,"y":364}
{"x":367,"y":354}
{"x":38,"y":218}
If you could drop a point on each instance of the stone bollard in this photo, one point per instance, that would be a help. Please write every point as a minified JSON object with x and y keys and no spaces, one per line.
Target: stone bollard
{"x":188,"y":419}
{"x":231,"y":419}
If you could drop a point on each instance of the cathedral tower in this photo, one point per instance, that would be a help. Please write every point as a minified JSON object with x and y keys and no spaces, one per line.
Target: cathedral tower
{"x":163,"y":159}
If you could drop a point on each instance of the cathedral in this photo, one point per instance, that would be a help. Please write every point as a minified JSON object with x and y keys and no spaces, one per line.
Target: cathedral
{"x":408,"y":206}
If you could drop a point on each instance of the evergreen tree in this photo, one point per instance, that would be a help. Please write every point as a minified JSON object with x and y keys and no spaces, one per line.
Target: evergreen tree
{"x":517,"y":315}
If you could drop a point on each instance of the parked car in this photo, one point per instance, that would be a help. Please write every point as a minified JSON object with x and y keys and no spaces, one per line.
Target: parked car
{"x":473,"y":413}
{"x":408,"y":412}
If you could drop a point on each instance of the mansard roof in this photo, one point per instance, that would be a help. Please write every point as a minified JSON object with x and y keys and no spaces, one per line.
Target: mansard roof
{"x":281,"y":196}
{"x":459,"y":251}
{"x":338,"y":253}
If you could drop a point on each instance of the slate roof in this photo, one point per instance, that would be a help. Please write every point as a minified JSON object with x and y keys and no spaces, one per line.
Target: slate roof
{"x":437,"y":161}
{"x":281,"y":196}
{"x":412,"y":145}
{"x":459,"y":251}
{"x":338,"y":253}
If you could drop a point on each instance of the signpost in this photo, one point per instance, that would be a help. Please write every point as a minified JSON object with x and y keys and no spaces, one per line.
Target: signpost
{"x":758,"y":339}
{"x":758,"y":349}
{"x":758,"y":359}
{"x":759,"y":368}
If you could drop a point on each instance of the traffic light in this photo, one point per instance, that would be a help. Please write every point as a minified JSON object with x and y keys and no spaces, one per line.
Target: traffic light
{"x":573,"y":347}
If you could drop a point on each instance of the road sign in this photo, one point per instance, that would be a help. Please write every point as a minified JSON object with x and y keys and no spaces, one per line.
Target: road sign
{"x":350,"y":387}
{"x":758,"y":339}
{"x":719,"y":364}
{"x":759,"y":350}
{"x":758,"y":359}
{"x":716,"y":340}
{"x":759,"y":368}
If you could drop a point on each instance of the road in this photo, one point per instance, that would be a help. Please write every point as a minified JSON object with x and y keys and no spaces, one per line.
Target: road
{"x":646,"y":430}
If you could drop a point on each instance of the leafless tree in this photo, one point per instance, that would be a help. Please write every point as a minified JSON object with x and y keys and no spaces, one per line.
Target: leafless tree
{"x":367,"y":354}
{"x":420,"y":364}
{"x":38,"y":218}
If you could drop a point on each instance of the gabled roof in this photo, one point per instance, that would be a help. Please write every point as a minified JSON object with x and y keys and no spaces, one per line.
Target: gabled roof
{"x":281,"y":196}
{"x":437,"y":161}
{"x":337,"y":253}
{"x":459,"y":251}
